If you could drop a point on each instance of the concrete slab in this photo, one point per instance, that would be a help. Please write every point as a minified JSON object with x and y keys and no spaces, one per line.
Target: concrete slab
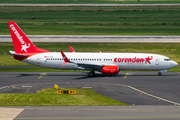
{"x":9,"y":113}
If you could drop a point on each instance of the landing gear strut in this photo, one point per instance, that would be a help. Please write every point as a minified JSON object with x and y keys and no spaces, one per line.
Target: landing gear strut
{"x":159,"y":74}
{"x":91,"y":73}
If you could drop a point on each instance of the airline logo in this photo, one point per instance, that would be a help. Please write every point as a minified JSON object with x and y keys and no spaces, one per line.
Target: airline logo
{"x":24,"y":47}
{"x":20,"y":38}
{"x":148,"y":59}
{"x":134,"y":60}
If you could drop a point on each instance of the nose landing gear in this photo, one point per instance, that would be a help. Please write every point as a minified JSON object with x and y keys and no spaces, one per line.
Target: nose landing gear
{"x":159,"y":74}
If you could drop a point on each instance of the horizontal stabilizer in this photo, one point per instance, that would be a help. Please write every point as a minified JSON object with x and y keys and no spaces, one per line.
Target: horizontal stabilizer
{"x":15,"y":54}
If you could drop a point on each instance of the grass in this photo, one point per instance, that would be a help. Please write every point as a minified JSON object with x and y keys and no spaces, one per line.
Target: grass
{"x":176,"y":69}
{"x":49,"y":97}
{"x":124,"y":20}
{"x":88,"y":1}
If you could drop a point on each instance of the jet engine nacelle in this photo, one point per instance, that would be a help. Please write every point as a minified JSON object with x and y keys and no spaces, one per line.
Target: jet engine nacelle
{"x":110,"y":70}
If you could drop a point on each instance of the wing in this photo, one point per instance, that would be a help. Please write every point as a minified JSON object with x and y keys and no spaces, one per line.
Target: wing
{"x":95,"y":66}
{"x":89,"y":66}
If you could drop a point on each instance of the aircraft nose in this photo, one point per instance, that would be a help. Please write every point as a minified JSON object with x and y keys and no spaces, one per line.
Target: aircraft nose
{"x":174,"y":64}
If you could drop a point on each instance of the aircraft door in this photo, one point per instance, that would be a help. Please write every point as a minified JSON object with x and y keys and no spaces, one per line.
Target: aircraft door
{"x":157,"y":61}
{"x":38,"y":60}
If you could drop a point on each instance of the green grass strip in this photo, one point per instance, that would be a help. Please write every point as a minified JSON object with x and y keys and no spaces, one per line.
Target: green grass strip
{"x":92,"y":20}
{"x":88,"y":1}
{"x":49,"y":97}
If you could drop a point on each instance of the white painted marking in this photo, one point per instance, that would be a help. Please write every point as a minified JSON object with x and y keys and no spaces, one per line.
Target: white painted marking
{"x":4,"y":87}
{"x":159,"y":98}
{"x":87,"y":87}
{"x":26,"y":86}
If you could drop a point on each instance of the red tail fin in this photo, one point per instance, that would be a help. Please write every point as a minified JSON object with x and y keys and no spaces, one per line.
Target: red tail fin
{"x":21,"y":42}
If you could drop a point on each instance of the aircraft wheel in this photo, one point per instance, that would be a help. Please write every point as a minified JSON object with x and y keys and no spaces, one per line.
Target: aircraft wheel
{"x":91,"y":73}
{"x":159,"y":74}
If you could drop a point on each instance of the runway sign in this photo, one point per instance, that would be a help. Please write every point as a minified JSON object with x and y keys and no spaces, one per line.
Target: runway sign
{"x":56,"y":86}
{"x":66,"y":92}
{"x":72,"y":91}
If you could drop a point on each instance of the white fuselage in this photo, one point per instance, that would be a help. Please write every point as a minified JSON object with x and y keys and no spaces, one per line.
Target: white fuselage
{"x":125,"y":61}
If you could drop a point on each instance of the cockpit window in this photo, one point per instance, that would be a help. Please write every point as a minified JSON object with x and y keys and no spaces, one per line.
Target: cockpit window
{"x":167,"y":59}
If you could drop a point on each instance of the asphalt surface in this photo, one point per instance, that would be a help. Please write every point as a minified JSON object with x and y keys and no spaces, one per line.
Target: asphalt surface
{"x":138,"y":88}
{"x":163,"y":4}
{"x":159,"y":95}
{"x":97,"y":38}
{"x":101,"y":112}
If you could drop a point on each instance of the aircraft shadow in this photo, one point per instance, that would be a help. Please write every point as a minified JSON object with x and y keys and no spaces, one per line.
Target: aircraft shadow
{"x":85,"y":75}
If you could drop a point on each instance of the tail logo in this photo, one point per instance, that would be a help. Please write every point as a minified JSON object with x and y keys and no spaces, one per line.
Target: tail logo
{"x":24,"y":47}
{"x":20,"y":38}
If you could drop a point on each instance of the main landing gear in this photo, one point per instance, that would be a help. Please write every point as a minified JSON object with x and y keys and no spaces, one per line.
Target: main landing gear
{"x":159,"y":74}
{"x":91,"y":74}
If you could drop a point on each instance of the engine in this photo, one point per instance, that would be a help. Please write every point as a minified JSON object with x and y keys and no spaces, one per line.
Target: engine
{"x":110,"y":70}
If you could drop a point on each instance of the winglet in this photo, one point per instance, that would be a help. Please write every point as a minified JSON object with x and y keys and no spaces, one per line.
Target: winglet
{"x":64,"y":58}
{"x":72,"y":50}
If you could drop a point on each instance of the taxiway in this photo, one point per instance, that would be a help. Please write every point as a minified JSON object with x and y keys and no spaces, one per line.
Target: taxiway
{"x":159,"y":95}
{"x":136,"y":88}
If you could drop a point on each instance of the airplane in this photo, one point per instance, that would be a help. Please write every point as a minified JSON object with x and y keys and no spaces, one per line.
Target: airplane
{"x":106,"y":63}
